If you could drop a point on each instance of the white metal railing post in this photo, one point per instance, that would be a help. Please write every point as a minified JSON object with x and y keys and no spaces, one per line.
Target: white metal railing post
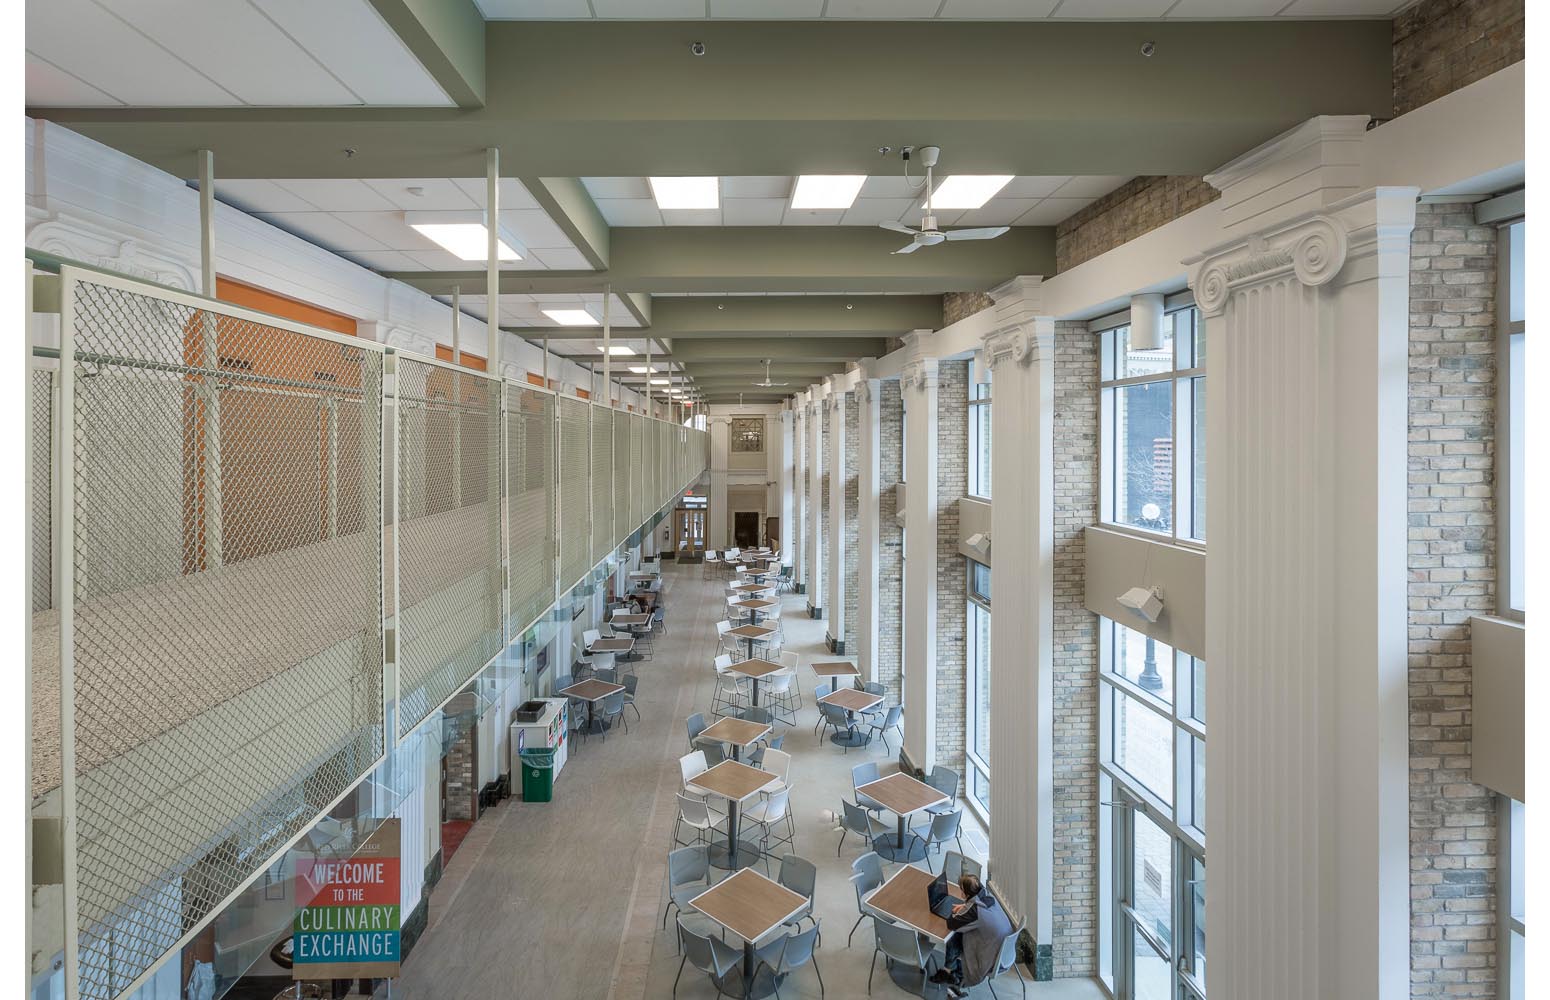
{"x":64,"y":568}
{"x":209,"y":385}
{"x":492,"y":263}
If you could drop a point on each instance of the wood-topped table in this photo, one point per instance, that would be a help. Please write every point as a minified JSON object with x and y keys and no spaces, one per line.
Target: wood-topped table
{"x":752,"y":634}
{"x":751,"y":906}
{"x":591,"y":691}
{"x":852,"y":701}
{"x":836,"y":668}
{"x":735,"y":733}
{"x":736,"y":782}
{"x":755,"y":605}
{"x":901,"y":795}
{"x":904,"y":899}
{"x":752,"y":588}
{"x":620,"y":646}
{"x":755,"y":670}
{"x":630,"y":621}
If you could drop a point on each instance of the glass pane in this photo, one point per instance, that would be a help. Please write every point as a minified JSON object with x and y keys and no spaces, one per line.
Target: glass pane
{"x":1143,"y":661}
{"x":1143,"y":455}
{"x":1517,"y":473}
{"x":1131,"y":362}
{"x":1154,"y":979}
{"x":1197,"y":698}
{"x":980,"y":786}
{"x":1197,"y":432}
{"x":979,"y":639}
{"x":979,"y":580}
{"x":1143,"y":745}
{"x":1197,"y":903}
{"x":1153,"y":859}
{"x":1197,"y":780}
{"x":1199,"y":328}
{"x":979,"y":449}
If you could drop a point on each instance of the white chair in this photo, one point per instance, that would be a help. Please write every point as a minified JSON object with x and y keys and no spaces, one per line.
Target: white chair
{"x":712,"y":564}
{"x":730,"y":693}
{"x":778,"y":763}
{"x":766,"y":815}
{"x":690,"y":766}
{"x":590,"y":636}
{"x":777,"y":690}
{"x":792,"y":662}
{"x":698,"y":816}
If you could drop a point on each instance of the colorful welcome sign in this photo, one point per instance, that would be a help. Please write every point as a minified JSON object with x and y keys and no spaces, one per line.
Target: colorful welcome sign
{"x":349,"y":929}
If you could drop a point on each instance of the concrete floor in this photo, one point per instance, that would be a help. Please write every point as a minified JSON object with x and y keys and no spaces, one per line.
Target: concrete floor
{"x":565,"y":899}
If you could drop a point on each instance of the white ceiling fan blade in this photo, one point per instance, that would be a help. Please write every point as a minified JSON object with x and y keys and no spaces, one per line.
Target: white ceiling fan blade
{"x":984,"y":233}
{"x":897,"y":227}
{"x":908,"y":248}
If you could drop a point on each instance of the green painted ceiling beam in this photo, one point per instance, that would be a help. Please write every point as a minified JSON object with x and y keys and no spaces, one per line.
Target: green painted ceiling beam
{"x":831,"y":259}
{"x":627,"y":99}
{"x":807,"y":350}
{"x":572,"y":209}
{"x":681,"y":318}
{"x":448,"y":38}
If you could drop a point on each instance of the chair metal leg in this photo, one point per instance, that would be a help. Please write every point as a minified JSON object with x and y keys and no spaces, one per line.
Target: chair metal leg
{"x":815,"y":969}
{"x":680,"y":974}
{"x":853,"y":929}
{"x":841,"y":847}
{"x":871,"y":971}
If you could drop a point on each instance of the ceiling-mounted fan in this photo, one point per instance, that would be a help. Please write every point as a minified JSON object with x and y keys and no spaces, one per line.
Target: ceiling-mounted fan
{"x":928,"y":234}
{"x":767,"y":384}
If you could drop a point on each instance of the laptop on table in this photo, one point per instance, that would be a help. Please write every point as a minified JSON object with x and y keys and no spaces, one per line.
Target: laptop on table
{"x":938,"y":897}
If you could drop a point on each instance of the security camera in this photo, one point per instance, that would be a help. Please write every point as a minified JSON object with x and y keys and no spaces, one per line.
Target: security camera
{"x":1147,"y":48}
{"x":698,"y":48}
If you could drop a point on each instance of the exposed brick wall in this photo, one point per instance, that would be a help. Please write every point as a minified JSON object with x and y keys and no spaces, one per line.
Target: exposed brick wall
{"x":461,"y":790}
{"x":1452,"y":543}
{"x":959,"y":305}
{"x":1075,"y":680}
{"x":1442,"y":45}
{"x":890,"y":535}
{"x":1138,"y":206}
{"x":952,"y":485}
{"x":852,"y":494}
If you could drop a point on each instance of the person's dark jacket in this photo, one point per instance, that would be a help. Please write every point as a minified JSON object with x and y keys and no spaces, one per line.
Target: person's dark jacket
{"x":981,"y":928}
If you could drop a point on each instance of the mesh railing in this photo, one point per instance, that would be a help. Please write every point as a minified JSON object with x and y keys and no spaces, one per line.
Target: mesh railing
{"x":602,"y":482}
{"x":622,"y":485}
{"x":531,"y":528}
{"x":40,"y":437}
{"x":637,"y":470}
{"x":219,"y":644}
{"x":575,"y":473}
{"x":449,"y":525}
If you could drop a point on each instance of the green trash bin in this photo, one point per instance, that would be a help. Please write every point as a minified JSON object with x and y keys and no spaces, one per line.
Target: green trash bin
{"x":537,"y":775}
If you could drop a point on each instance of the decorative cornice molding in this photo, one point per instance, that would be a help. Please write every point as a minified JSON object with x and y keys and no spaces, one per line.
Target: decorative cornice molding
{"x":922,"y":373}
{"x":1313,"y":249}
{"x":1023,"y":343}
{"x":64,"y":235}
{"x":867,"y":390}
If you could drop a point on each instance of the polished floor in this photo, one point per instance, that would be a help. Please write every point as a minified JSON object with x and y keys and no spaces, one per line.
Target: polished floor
{"x":565,"y":899}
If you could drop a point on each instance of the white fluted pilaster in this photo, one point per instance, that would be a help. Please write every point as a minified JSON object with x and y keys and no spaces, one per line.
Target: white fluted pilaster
{"x":787,"y":480}
{"x":815,"y":511}
{"x":919,"y":385}
{"x":798,"y":532}
{"x":868,"y":525}
{"x":837,"y":554}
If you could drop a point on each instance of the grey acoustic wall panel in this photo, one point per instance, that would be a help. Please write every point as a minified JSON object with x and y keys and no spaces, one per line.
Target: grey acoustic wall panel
{"x":602,"y":482}
{"x":575,"y":474}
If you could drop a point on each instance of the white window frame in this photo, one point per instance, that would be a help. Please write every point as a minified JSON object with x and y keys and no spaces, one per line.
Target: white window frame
{"x":1511,"y":425}
{"x":979,"y":478}
{"x":972,"y":759}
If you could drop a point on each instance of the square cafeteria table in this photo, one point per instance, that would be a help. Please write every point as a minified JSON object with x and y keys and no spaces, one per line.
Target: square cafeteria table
{"x":619,"y":646}
{"x":753,"y":907}
{"x":752,"y":588}
{"x":736,"y":782}
{"x":904,"y":900}
{"x":755,"y":670}
{"x":752,"y":634}
{"x":735,"y":733}
{"x":901,"y":795}
{"x":591,"y":691}
{"x":836,"y":668}
{"x":852,"y":701}
{"x":754,"y":605}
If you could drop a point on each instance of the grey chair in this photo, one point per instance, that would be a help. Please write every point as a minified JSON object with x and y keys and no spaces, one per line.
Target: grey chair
{"x":715,"y":753}
{"x":832,"y":715}
{"x":866,"y":878}
{"x":801,"y":877}
{"x":1007,"y":961}
{"x":880,"y":727}
{"x":863,"y":774}
{"x":710,"y":955}
{"x":942,"y":828}
{"x":688,"y":875}
{"x":609,"y":675}
{"x":757,"y":714}
{"x":872,"y":687}
{"x":613,"y":711}
{"x":855,"y":819}
{"x":695,"y":725}
{"x":821,"y":691}
{"x":946,"y":781}
{"x":563,"y":681}
{"x":787,"y":954}
{"x":955,"y":865}
{"x":897,"y":943}
{"x":631,"y":682}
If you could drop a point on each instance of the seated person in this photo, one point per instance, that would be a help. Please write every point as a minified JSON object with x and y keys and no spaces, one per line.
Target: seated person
{"x":981,"y":925}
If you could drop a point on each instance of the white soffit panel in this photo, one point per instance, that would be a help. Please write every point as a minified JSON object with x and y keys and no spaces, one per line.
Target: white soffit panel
{"x":49,"y":85}
{"x":1103,"y":9}
{"x":352,"y":40}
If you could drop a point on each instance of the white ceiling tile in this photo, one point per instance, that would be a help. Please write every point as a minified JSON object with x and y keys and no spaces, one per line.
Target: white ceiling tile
{"x":871,"y":211}
{"x":895,"y":186}
{"x":891,"y":10}
{"x":1089,"y":187}
{"x":513,"y":193}
{"x":551,"y":298}
{"x":650,"y":9}
{"x":336,"y":194}
{"x":257,"y":196}
{"x":1052,"y":210}
{"x":617,"y":187}
{"x":49,"y":86}
{"x":629,"y":212}
{"x":752,"y":211}
{"x":1343,"y":8}
{"x":505,"y":10}
{"x":389,"y":228}
{"x":997,"y":212}
{"x":326,"y":230}
{"x":691,"y":216}
{"x":387,"y":260}
{"x":1113,"y":8}
{"x":1226,"y":8}
{"x":437,"y":194}
{"x":811,"y":217}
{"x":535,"y":230}
{"x":441,"y":260}
{"x":235,"y":45}
{"x":756,"y":187}
{"x":998,"y":10}
{"x":563,"y":260}
{"x":1031,"y":187}
{"x":944,"y":217}
{"x":766,"y":9}
{"x":357,"y":46}
{"x":84,"y":40}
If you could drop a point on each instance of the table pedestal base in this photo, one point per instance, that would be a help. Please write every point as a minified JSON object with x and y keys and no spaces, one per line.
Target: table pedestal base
{"x":914,"y":981}
{"x":850,"y":738}
{"x":747,"y":855}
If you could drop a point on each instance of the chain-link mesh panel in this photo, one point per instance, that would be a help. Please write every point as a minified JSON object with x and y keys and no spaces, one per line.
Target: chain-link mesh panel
{"x":226,"y":575}
{"x":40,"y":437}
{"x":602,"y":482}
{"x":530,"y":478}
{"x":621,"y":501}
{"x":637,"y":470}
{"x":575,"y":473}
{"x":449,"y":484}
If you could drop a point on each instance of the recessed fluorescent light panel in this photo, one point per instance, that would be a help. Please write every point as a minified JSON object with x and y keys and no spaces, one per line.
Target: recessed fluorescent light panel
{"x":661,"y":381}
{"x":826,"y":191}
{"x":617,"y":350}
{"x":643,"y":369}
{"x":462,"y":234}
{"x":571,"y":317}
{"x":686,"y":192}
{"x":968,"y":191}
